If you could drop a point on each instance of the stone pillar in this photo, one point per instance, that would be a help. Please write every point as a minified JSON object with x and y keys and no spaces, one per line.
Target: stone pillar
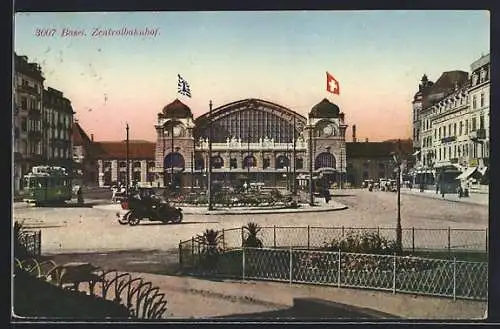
{"x":144,"y":171}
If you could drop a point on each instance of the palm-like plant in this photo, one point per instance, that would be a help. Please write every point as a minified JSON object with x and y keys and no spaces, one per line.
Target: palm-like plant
{"x":20,"y":251}
{"x":251,"y":240}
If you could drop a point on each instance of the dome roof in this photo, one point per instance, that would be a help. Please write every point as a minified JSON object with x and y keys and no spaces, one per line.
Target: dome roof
{"x":324,"y":109}
{"x":177,"y":110}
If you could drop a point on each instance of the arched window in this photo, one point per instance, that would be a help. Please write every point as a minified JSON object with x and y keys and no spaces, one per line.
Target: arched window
{"x":282,"y":162}
{"x":249,"y":161}
{"x":324,"y":160}
{"x":174,"y":160}
{"x":217,"y":162}
{"x":123,"y":164}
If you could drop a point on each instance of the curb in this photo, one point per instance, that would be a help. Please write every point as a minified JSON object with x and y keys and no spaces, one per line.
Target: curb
{"x":265,"y":212}
{"x":444,"y":199}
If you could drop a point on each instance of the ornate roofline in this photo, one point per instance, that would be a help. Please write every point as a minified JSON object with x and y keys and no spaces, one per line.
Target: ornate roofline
{"x":226,"y":109}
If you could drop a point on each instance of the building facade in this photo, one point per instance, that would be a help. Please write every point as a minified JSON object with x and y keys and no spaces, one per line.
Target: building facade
{"x":479,"y":113}
{"x":253,"y":141}
{"x":455,"y":128}
{"x":417,"y":105}
{"x":84,"y":155}
{"x":57,"y":129}
{"x":27,"y":118}
{"x":111,"y":162}
{"x":375,"y":160}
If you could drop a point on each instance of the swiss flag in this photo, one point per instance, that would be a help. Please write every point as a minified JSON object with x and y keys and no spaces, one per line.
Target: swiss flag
{"x":332,"y":85}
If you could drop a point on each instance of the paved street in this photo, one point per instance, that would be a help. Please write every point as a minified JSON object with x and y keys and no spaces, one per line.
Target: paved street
{"x":93,"y":235}
{"x":67,"y":230}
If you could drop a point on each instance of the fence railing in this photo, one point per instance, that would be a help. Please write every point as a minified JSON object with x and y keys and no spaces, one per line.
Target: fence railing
{"x":437,"y":277}
{"x":31,"y":240}
{"x":312,"y":237}
{"x":141,"y":298}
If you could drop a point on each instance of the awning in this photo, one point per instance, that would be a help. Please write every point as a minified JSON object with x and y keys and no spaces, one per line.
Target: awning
{"x":467,"y":173}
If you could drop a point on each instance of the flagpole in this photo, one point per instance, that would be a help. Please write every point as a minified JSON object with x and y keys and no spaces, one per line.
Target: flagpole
{"x":210,"y":206}
{"x":172,"y":157}
{"x":294,"y":178}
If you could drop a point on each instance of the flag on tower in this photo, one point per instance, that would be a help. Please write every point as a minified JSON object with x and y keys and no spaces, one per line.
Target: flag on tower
{"x":332,"y":85}
{"x":183,"y":86}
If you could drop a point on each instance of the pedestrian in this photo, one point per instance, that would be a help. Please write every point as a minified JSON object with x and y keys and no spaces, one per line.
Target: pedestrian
{"x":114,"y":189}
{"x":442,"y":191}
{"x":79,"y":195}
{"x":328,"y":196}
{"x":460,"y":191}
{"x":437,"y":188}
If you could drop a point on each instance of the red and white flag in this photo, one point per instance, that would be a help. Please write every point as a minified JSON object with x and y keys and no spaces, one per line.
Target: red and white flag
{"x":332,"y":85}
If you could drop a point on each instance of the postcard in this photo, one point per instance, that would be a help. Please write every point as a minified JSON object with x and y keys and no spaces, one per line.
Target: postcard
{"x":251,"y":165}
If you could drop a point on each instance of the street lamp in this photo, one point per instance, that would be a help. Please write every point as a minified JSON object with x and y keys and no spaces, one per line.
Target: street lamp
{"x":399,"y":231}
{"x":311,"y":196}
{"x":210,"y":206}
{"x":128,"y":164}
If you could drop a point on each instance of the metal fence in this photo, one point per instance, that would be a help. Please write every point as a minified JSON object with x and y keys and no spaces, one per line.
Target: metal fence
{"x":141,"y":298}
{"x":31,"y":240}
{"x":312,"y":237}
{"x":447,"y":278}
{"x":291,"y":254}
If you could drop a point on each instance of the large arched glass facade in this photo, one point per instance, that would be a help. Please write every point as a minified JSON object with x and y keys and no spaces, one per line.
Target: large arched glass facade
{"x":250,"y":121}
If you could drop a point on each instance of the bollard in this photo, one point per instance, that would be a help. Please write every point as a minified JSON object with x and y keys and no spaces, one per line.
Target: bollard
{"x":342,"y":230}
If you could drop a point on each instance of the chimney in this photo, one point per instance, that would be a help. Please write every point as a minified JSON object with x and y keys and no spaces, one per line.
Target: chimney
{"x":92,"y":138}
{"x":354,"y":133}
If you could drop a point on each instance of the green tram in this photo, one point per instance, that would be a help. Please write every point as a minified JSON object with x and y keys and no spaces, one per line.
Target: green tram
{"x":46,"y":185}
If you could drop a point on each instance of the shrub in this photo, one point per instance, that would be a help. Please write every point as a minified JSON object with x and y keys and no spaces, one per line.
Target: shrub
{"x":20,"y":250}
{"x":251,"y":240}
{"x":366,"y":243}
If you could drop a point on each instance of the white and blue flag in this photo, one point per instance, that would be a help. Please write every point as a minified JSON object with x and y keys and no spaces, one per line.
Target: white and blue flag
{"x":183,"y":86}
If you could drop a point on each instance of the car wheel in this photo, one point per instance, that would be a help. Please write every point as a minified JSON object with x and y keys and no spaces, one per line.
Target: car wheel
{"x":124,"y":220}
{"x":133,"y":219}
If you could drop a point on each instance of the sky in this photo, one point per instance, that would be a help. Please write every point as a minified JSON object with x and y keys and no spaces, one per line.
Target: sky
{"x":378,"y":57}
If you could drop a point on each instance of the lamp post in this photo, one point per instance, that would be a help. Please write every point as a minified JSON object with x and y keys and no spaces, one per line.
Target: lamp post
{"x":294,"y":176}
{"x":128,"y":164}
{"x":311,"y":196}
{"x":399,"y":230}
{"x":210,"y":206}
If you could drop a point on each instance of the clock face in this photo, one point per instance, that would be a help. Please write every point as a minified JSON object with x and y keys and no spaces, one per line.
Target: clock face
{"x":177,"y":131}
{"x":328,"y":130}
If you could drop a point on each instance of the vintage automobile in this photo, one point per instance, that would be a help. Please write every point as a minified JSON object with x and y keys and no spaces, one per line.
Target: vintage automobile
{"x":143,"y":203}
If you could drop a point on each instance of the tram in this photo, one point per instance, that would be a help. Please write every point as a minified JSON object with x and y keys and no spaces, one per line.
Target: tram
{"x":47,"y":184}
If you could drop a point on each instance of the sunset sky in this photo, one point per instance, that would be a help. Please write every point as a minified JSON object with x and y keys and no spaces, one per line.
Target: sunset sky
{"x":377,"y":56}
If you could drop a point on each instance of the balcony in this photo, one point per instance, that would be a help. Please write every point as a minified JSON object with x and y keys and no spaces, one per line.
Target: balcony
{"x":454,"y":160}
{"x":34,"y":113}
{"x":448,"y":139}
{"x":478,"y":134}
{"x":28,"y":89}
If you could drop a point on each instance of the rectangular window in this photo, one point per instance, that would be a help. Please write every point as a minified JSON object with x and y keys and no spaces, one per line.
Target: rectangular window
{"x":435,"y":133}
{"x":444,"y":131}
{"x":439,"y":132}
{"x":466,"y":126}
{"x":460,"y":128}
{"x":474,"y":105}
{"x":24,"y":125}
{"x":454,"y":129}
{"x":439,"y":154}
{"x":454,"y":151}
{"x":482,"y":100}
{"x":473,"y":128}
{"x":481,"y":122}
